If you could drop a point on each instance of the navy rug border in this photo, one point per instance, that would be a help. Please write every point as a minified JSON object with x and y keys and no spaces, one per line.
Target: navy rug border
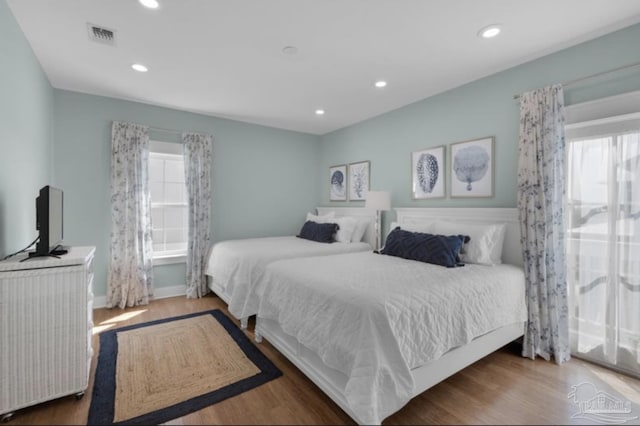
{"x":102,"y":406}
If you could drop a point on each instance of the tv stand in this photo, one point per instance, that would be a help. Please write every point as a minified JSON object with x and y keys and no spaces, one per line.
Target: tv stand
{"x":34,"y":254}
{"x":46,"y":328}
{"x":58,"y":251}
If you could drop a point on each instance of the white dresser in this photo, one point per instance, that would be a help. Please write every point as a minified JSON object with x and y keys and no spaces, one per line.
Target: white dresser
{"x":46,"y":313}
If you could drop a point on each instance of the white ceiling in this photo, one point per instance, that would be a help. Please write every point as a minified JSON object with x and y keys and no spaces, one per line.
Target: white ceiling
{"x":224,"y":57}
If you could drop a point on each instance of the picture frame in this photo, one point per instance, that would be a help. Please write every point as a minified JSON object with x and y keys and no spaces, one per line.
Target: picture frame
{"x":359,"y":177}
{"x":472,"y":168}
{"x":338,"y":183}
{"x":427,"y":173}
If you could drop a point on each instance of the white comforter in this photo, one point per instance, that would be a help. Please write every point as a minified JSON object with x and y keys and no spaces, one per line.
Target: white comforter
{"x":376,"y":317}
{"x":237,"y":265}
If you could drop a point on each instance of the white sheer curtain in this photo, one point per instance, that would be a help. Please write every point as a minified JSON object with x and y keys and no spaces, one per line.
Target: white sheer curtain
{"x":603,"y":245}
{"x":130,"y":277}
{"x":198,"y":159}
{"x":541,"y":193}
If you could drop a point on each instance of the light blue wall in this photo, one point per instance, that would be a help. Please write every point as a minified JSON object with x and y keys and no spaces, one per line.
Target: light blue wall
{"x":482,"y":108}
{"x":264,"y":179}
{"x":26,"y":134}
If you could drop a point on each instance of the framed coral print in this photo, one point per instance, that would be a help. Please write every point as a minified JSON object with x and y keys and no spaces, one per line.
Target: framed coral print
{"x":472,"y":168}
{"x":338,"y":183}
{"x":358,"y":180}
{"x":427,"y":173}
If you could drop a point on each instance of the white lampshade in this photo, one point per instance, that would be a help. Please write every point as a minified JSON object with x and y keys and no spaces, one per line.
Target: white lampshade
{"x":378,"y":200}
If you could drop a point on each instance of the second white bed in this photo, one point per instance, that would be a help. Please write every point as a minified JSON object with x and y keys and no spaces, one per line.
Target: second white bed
{"x":374,"y":318}
{"x":373,"y":331}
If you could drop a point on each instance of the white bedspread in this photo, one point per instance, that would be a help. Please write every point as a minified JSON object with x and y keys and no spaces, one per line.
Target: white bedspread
{"x":376,"y":317}
{"x":237,"y":265}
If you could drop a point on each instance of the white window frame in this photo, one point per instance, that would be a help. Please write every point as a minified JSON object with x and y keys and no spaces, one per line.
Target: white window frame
{"x":167,"y":150}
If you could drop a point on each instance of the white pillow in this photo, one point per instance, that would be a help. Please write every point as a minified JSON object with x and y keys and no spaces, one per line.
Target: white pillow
{"x":361,"y":229}
{"x":485,"y":244}
{"x":347,"y":226}
{"x":327,"y":218}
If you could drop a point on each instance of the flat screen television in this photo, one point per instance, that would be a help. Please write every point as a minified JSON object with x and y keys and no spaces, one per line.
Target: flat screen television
{"x":49,"y":220}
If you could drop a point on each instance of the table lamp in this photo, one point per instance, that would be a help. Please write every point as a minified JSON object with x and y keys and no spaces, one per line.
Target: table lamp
{"x":378,"y":201}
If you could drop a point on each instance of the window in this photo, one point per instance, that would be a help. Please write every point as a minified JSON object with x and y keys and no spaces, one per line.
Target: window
{"x":603,"y":238}
{"x":169,"y":217}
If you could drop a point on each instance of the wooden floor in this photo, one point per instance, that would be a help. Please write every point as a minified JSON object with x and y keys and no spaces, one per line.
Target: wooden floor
{"x":503,"y":388}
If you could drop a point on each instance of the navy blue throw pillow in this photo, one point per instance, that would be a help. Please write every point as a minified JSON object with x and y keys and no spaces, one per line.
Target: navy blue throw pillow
{"x":429,"y":248}
{"x":320,"y":232}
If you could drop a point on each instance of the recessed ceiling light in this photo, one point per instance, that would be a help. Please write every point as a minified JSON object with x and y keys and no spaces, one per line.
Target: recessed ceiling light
{"x":490,"y":31}
{"x":289,"y":50}
{"x":319,"y":112}
{"x":151,"y":4}
{"x":139,"y":68}
{"x":381,"y":83}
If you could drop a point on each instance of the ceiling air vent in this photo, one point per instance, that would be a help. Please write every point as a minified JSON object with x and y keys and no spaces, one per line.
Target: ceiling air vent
{"x":101,"y":34}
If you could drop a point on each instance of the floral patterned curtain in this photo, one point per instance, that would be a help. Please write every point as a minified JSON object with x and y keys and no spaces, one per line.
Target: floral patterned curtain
{"x":541,"y":191}
{"x":198,"y":159}
{"x":130,"y":280}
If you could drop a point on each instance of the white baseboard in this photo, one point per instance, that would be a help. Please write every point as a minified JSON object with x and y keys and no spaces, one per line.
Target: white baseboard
{"x":159,"y":293}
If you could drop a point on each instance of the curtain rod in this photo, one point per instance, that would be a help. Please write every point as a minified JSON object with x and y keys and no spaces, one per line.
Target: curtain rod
{"x":588,"y":77}
{"x":159,"y":129}
{"x":175,"y":132}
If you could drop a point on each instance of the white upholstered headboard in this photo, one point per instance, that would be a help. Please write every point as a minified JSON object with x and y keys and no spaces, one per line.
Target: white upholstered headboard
{"x":359,"y":212}
{"x":511,"y":250}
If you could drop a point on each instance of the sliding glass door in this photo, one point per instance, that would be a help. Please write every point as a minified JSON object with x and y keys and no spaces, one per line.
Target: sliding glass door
{"x":603,"y":242}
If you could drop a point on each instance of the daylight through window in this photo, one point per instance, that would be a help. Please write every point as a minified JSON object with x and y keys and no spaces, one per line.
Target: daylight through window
{"x":168,"y":199}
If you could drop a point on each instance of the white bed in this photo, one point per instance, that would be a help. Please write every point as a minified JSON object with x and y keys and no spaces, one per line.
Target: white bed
{"x":373,"y":331}
{"x":235,"y":266}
